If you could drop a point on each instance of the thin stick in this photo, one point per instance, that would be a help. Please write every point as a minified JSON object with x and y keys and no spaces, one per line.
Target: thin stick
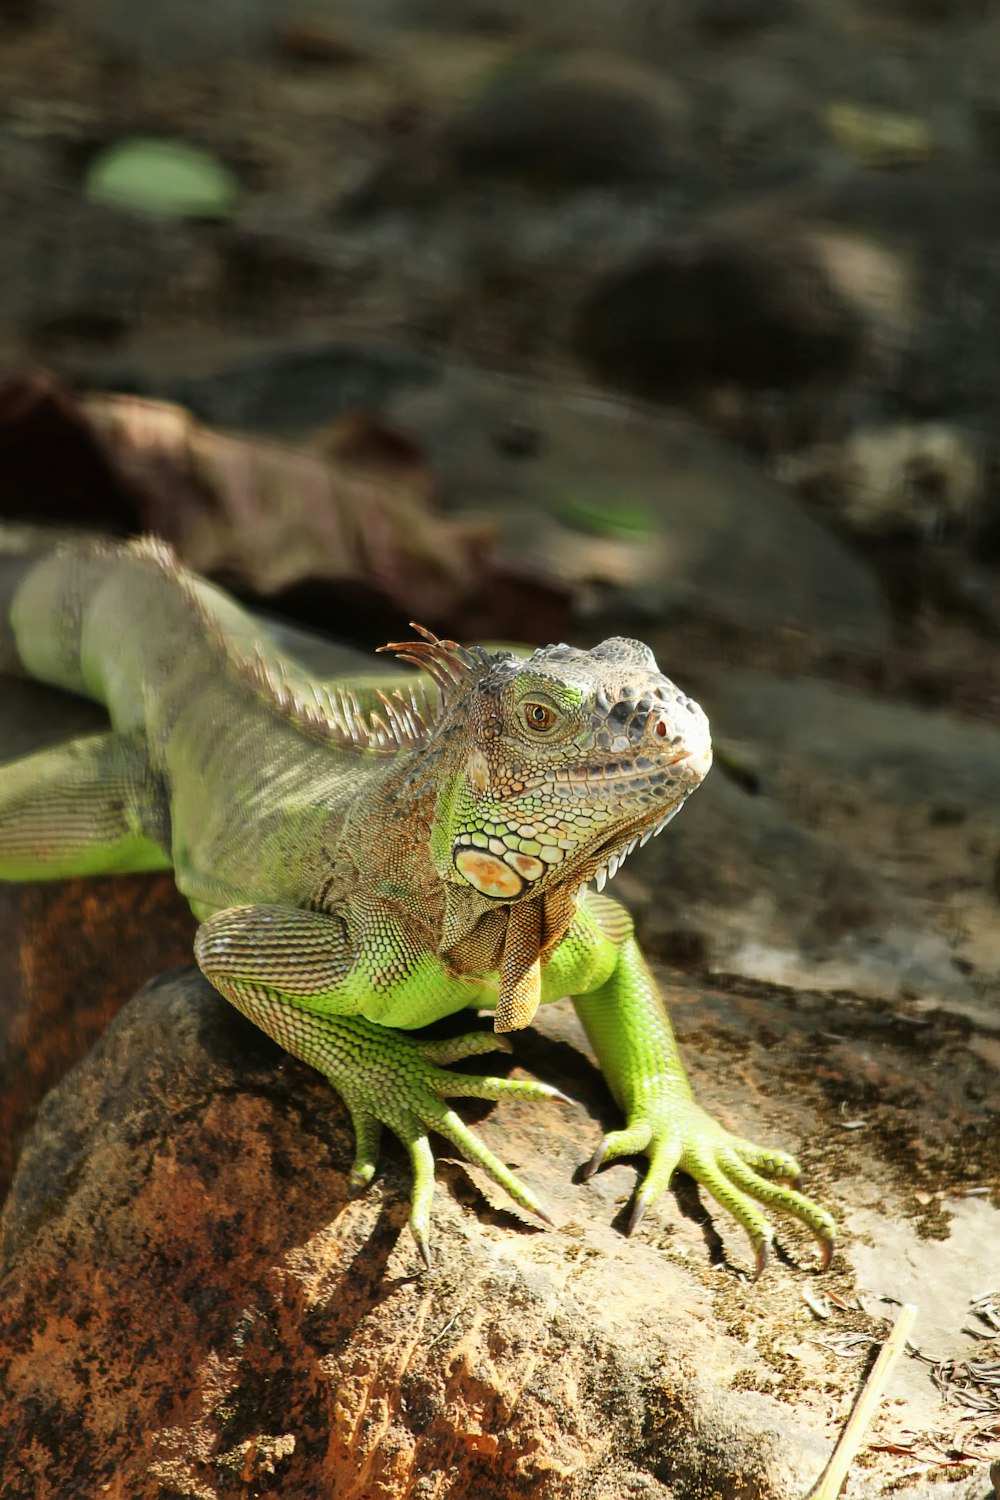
{"x":827,"y":1486}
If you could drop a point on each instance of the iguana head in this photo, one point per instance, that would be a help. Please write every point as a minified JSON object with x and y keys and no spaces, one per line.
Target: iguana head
{"x":553,"y":769}
{"x":571,"y":758}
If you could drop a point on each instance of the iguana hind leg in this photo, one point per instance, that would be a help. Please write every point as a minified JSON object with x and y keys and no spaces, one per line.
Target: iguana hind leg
{"x":286,"y":970}
{"x":89,"y":807}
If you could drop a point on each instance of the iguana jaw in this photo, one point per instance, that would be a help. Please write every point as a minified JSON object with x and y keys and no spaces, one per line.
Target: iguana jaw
{"x":568,"y":829}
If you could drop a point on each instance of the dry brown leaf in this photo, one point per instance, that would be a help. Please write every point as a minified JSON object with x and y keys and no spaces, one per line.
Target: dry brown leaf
{"x":270,"y":516}
{"x":358,"y":512}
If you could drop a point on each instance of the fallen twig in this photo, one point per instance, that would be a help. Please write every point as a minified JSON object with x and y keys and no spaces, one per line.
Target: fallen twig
{"x":828,"y":1485}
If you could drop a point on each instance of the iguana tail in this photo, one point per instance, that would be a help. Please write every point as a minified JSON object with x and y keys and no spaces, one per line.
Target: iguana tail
{"x":20,"y":548}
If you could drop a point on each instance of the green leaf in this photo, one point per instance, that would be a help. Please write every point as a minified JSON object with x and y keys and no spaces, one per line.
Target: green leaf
{"x":164,"y":177}
{"x":613,"y":518}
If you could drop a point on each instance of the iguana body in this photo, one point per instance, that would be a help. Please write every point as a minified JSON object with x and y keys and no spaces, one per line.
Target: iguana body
{"x":364,"y":863}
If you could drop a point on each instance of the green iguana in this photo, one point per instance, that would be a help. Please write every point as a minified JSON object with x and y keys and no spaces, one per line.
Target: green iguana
{"x":364,"y":861}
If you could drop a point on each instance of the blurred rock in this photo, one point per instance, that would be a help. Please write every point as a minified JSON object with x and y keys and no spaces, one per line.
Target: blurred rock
{"x":82,"y":273}
{"x":572,"y":120}
{"x":738,"y":887}
{"x":283,"y":388}
{"x":185,"y":33}
{"x":315,"y":41}
{"x":886,"y":752}
{"x":736,"y":16}
{"x":641,"y":515}
{"x":676,"y":323}
{"x":922,"y":480}
{"x":21,"y":12}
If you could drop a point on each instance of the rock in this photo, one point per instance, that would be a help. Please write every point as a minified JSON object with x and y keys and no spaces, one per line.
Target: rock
{"x":572,"y":119}
{"x":884,"y":752}
{"x":645,"y":517}
{"x":316,"y":42}
{"x":282,"y":388}
{"x":937,"y":223}
{"x":917,"y":480}
{"x":738,"y":887}
{"x":15,"y":13}
{"x":678,"y":322}
{"x":188,"y":1291}
{"x":83,"y":273}
{"x":739,"y":16}
{"x":57,"y":996}
{"x":185,"y":34}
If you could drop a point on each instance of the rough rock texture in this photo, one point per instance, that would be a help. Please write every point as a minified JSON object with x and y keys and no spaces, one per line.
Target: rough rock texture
{"x":190,"y":1305}
{"x":77,"y":950}
{"x":76,"y":953}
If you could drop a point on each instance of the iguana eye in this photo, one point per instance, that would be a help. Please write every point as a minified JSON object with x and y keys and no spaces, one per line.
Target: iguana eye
{"x":539,"y":716}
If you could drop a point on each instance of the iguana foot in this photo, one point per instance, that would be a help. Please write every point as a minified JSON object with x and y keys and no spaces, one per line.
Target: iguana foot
{"x":384,"y":1076}
{"x":677,"y":1133}
{"x":400,"y":1081}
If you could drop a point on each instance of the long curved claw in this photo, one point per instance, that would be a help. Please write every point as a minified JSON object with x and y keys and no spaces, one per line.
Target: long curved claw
{"x":762,"y":1254}
{"x":422,"y":1246}
{"x":637,"y":1214}
{"x":629,"y":1142}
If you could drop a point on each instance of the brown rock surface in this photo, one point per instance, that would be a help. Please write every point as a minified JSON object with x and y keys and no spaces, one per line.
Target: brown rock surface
{"x":78,"y":948}
{"x":190,"y":1305}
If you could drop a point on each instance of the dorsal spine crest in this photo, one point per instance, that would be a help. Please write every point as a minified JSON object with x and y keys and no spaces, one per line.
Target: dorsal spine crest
{"x":406,"y":716}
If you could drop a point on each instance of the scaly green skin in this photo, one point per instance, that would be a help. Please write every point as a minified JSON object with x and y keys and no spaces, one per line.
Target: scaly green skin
{"x":364,"y":864}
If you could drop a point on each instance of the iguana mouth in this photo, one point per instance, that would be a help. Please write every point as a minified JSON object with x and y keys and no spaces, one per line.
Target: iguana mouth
{"x":623,"y":773}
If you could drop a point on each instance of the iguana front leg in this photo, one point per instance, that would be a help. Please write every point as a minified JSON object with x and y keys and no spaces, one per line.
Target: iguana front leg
{"x":90,"y":807}
{"x":628,"y":1028}
{"x":289,"y":971}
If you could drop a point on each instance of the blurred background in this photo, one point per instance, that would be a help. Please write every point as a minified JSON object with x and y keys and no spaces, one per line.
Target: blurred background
{"x":645,"y":308}
{"x":531,"y":322}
